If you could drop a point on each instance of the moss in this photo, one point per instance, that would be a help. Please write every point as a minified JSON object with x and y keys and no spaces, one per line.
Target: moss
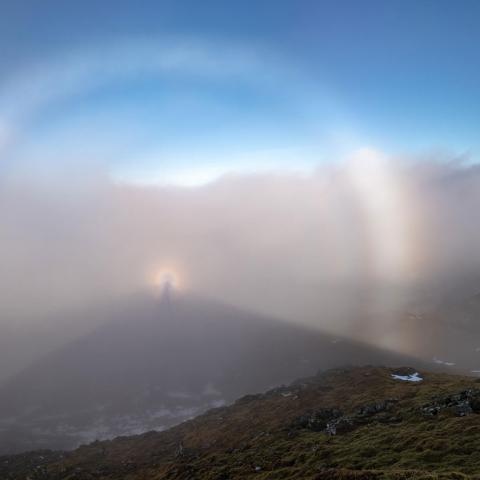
{"x":229,"y":443}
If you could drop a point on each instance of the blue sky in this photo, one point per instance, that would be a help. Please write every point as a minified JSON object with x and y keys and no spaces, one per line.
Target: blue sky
{"x":284,"y":84}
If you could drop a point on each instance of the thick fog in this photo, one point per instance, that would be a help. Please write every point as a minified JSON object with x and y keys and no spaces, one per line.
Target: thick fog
{"x":343,"y":248}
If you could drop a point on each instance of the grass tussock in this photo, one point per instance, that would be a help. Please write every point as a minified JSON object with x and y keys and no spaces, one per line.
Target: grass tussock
{"x":259,"y":437}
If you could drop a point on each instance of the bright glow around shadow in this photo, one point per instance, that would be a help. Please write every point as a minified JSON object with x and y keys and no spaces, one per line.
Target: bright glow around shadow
{"x":166,"y":278}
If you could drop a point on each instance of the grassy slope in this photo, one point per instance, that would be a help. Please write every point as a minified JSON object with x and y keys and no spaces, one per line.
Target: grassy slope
{"x":257,"y":438}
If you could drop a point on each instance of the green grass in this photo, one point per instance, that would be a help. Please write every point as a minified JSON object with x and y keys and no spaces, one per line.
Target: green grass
{"x":256,"y":438}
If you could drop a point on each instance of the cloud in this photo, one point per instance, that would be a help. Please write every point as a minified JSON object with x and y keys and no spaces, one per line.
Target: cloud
{"x":196,"y":169}
{"x":303,"y":247}
{"x":264,"y":104}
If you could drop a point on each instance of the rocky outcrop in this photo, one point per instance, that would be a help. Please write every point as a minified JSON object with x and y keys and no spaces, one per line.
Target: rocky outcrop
{"x":460,"y":404}
{"x":341,"y":425}
{"x":378,"y":407}
{"x":333,"y":421}
{"x":318,"y":420}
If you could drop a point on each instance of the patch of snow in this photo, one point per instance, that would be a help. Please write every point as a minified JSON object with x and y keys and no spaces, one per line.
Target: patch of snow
{"x":443,"y":362}
{"x":218,"y":403}
{"x":414,"y":377}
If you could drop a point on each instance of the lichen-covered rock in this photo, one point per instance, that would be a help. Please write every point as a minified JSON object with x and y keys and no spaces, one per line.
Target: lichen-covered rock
{"x":460,"y":404}
{"x":378,"y":407}
{"x":341,"y":425}
{"x":332,"y":421}
{"x":318,"y":420}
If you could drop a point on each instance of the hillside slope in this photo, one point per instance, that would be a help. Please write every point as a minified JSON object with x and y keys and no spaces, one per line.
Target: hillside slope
{"x":154,"y":365}
{"x":356,"y":422}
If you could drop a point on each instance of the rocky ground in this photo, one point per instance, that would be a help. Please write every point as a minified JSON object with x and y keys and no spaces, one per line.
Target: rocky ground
{"x":362,"y":423}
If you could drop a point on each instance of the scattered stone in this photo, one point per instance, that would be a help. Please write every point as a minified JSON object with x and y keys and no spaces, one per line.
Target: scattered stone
{"x":341,"y":425}
{"x":318,"y":420}
{"x":333,"y":422}
{"x":378,"y":407}
{"x":460,"y":404}
{"x":180,"y":450}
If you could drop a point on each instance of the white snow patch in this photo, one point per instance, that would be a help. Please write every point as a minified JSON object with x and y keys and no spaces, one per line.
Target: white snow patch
{"x":414,"y":377}
{"x":443,"y":362}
